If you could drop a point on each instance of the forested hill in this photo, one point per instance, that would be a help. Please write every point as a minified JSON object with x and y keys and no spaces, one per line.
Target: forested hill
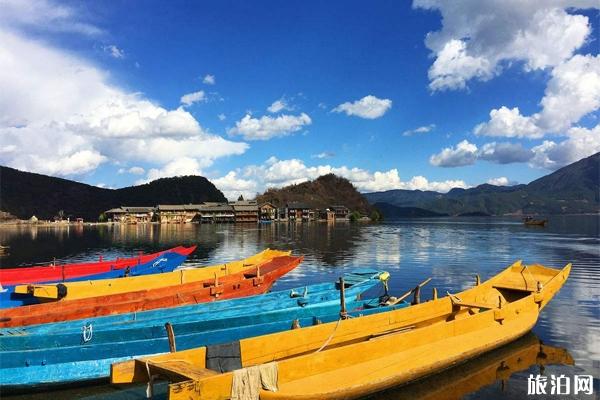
{"x":572,"y":189}
{"x":24,"y":194}
{"x":323,"y":192}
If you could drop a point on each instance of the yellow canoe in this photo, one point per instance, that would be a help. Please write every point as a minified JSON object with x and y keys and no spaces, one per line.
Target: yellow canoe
{"x":367,"y":354}
{"x":103,"y":287}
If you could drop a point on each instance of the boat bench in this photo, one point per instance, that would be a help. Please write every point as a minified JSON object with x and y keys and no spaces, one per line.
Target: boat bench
{"x":177,"y":371}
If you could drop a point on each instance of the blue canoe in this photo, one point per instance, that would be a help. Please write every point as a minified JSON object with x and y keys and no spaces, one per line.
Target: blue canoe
{"x":166,"y":262}
{"x":80,"y":360}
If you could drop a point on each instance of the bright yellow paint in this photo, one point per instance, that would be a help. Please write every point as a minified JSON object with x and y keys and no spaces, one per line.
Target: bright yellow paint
{"x":375,"y":352}
{"x":102,"y":287}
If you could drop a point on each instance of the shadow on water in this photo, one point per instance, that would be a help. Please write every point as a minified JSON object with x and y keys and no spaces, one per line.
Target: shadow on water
{"x":449,"y":250}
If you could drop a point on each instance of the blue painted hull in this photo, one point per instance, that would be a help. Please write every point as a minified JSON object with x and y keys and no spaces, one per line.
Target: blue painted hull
{"x":164,"y":263}
{"x":52,"y":357}
{"x":89,"y":367}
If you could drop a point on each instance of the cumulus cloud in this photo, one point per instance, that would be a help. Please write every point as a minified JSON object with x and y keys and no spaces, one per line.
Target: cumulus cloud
{"x":179,"y":167}
{"x":369,"y":107}
{"x":114,"y":51}
{"x":194,"y":97}
{"x":478,"y":38}
{"x":278,"y":173}
{"x":509,"y":123}
{"x":421,"y":129}
{"x":464,"y":153}
{"x":267,"y":127}
{"x":279,"y":105}
{"x":504,"y":153}
{"x":572,"y":92}
{"x":209,"y":79}
{"x":501,"y":181}
{"x":61,"y":116}
{"x":580,"y":143}
{"x":136,"y":170}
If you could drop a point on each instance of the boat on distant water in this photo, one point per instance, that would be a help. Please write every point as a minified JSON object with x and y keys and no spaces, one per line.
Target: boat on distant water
{"x":536,"y":222}
{"x":253,"y":275}
{"x":49,"y":358}
{"x":356,"y":357}
{"x":66,"y":272}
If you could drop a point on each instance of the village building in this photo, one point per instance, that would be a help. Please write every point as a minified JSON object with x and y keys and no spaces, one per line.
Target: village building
{"x":341,"y":212}
{"x":326,"y":215}
{"x":215,"y":213}
{"x":268,"y":212}
{"x":176,"y":213}
{"x":130,"y":215}
{"x":297,"y":211}
{"x":245,"y":210}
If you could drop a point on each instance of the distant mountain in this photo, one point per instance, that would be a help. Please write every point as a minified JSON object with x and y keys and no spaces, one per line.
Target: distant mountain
{"x":323,"y":192}
{"x":390,"y":211}
{"x":569,"y":190}
{"x":24,"y":194}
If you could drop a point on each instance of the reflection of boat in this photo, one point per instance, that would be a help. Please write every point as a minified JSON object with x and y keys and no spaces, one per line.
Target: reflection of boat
{"x":4,"y":250}
{"x":497,"y":365}
{"x":59,"y":355}
{"x":371,"y":353}
{"x":536,"y":222}
{"x":254,"y":278}
{"x":65,"y":272}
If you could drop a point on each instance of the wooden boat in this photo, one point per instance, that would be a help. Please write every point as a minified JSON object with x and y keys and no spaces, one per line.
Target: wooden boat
{"x":253,"y":278}
{"x":103,"y":287}
{"x":356,"y":357}
{"x":39,"y":366}
{"x":66,"y":272}
{"x":494,"y":367}
{"x":536,"y":222}
{"x":166,"y":262}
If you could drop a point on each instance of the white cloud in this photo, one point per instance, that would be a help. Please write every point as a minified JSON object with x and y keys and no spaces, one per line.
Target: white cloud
{"x":464,"y":153}
{"x":509,"y":123}
{"x":179,"y":167}
{"x":323,"y":155}
{"x":572,"y":92}
{"x":209,"y":79}
{"x":194,"y":97}
{"x":421,"y":129}
{"x":504,"y":153}
{"x":580,"y":143}
{"x":233,"y":186}
{"x":136,"y":170}
{"x":279,"y":105}
{"x":369,"y":107}
{"x":221,"y":117}
{"x":278,"y":173}
{"x":114,"y":51}
{"x":267,"y":127}
{"x":479,"y":38}
{"x":501,"y":181}
{"x":61,"y":116}
{"x":44,"y":15}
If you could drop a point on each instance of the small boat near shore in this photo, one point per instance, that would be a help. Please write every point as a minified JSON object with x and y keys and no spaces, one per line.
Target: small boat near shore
{"x":534,"y":222}
{"x":356,"y":357}
{"x":65,"y":272}
{"x":251,"y":276}
{"x":44,"y":358}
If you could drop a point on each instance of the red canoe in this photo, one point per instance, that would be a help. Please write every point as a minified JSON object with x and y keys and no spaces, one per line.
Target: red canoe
{"x":250,"y":282}
{"x":57,"y":273}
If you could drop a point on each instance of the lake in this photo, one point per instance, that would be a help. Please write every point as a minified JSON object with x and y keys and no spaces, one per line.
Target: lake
{"x":449,"y":250}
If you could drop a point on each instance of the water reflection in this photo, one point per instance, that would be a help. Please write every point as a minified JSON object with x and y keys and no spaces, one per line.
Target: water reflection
{"x":527,"y":354}
{"x":451,"y":251}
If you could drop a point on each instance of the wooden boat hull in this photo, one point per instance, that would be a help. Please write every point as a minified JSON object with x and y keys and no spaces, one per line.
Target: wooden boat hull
{"x":66,"y":272}
{"x":104,"y":287}
{"x":375,"y":352}
{"x":25,"y":367}
{"x":535,"y":222}
{"x":237,"y":285}
{"x":167,"y":262}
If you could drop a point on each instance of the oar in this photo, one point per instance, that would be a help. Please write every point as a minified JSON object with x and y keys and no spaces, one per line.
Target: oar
{"x":405,"y":295}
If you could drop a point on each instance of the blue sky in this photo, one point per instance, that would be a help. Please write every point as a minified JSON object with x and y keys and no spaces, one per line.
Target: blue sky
{"x":392,"y":95}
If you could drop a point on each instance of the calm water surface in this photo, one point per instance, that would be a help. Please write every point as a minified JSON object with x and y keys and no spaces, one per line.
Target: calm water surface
{"x":450,"y":251}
